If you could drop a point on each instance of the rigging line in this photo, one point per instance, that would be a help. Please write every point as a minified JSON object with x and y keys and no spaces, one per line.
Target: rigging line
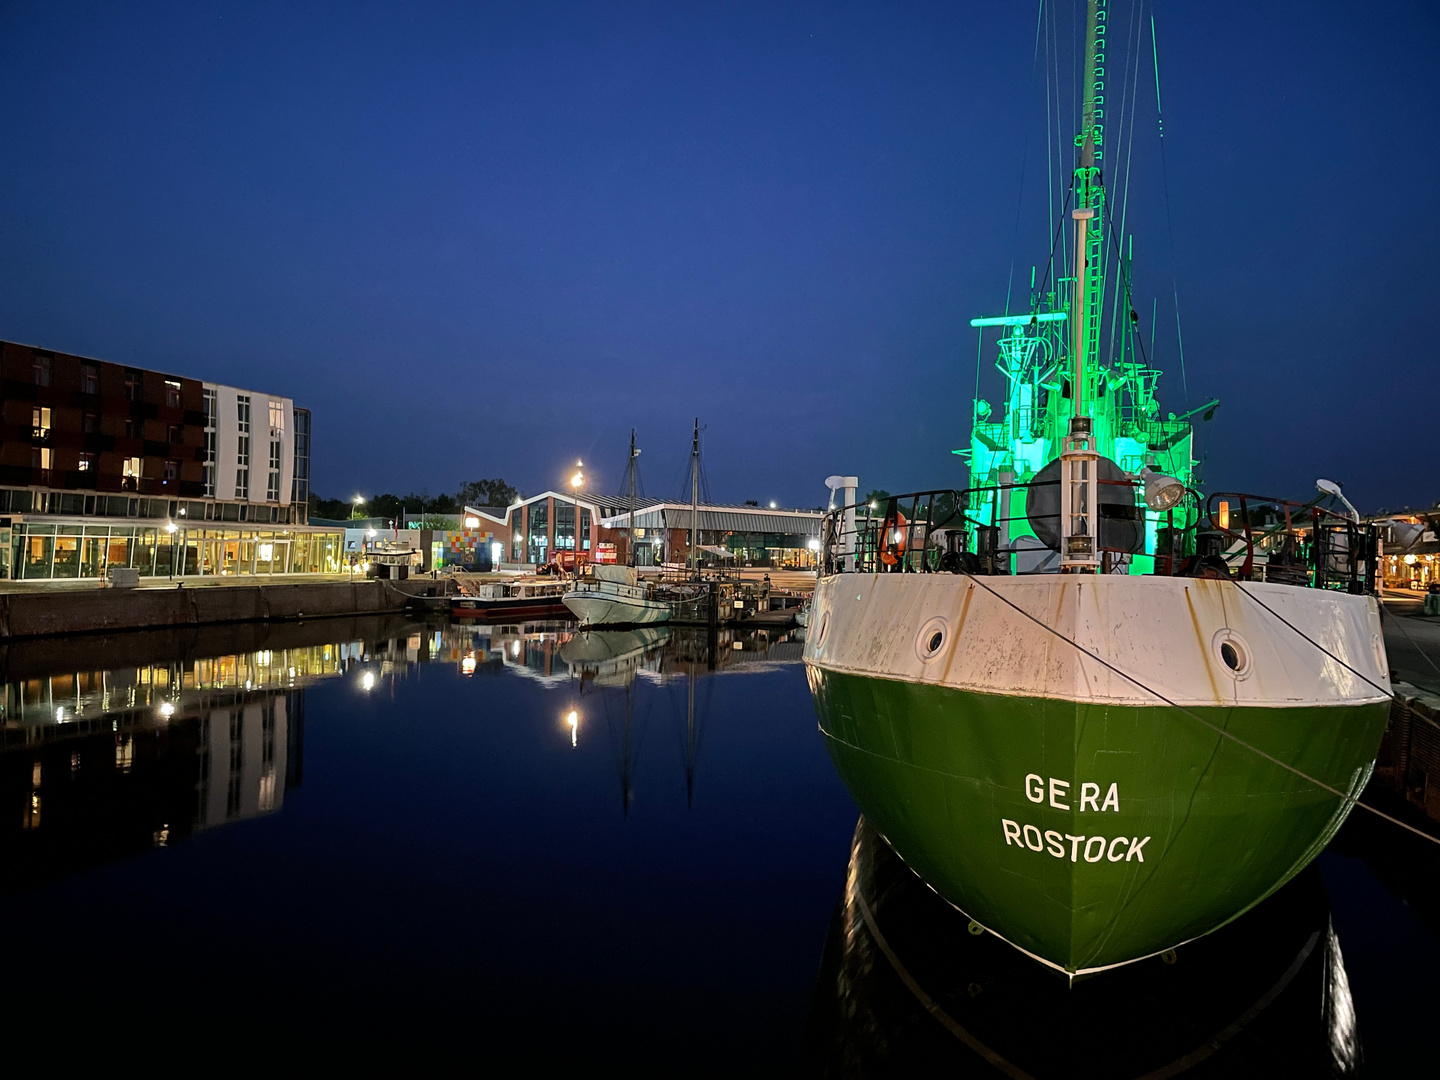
{"x":1049,"y":158}
{"x":1154,"y":312}
{"x":974,"y":401}
{"x":1118,"y":146}
{"x":1125,"y":280}
{"x":1169,"y":223}
{"x":1129,"y":98}
{"x":1049,"y":266}
{"x":1201,"y":720}
{"x":1412,"y":641}
{"x":1024,"y":163}
{"x":1342,"y":663}
{"x":1060,"y":129}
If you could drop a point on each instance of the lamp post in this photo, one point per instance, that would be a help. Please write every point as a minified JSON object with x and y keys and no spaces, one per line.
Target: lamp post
{"x":576,"y":483}
{"x":171,"y":527}
{"x":359,"y":501}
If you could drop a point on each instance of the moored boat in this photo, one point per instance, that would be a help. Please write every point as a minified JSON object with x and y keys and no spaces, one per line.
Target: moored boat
{"x":523,"y":598}
{"x":615,"y":596}
{"x":1096,"y":712}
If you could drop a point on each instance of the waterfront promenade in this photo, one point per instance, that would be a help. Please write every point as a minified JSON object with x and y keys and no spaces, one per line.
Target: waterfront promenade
{"x":35,"y":610}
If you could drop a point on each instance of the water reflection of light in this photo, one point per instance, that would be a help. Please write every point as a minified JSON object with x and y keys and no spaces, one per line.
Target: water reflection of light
{"x":467,"y":664}
{"x":367,"y":681}
{"x":1340,"y":1007}
{"x":573,"y":719}
{"x":515,"y":647}
{"x":167,"y":709}
{"x":60,"y":715}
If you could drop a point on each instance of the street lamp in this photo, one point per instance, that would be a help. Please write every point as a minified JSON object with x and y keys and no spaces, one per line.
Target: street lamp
{"x":576,"y":483}
{"x":359,"y":501}
{"x":171,"y":527}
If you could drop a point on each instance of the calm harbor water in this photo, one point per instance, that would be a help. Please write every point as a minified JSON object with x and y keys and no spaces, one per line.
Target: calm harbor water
{"x":359,"y":838}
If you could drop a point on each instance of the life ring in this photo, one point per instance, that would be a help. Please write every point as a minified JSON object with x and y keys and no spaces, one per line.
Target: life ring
{"x":892,"y":538}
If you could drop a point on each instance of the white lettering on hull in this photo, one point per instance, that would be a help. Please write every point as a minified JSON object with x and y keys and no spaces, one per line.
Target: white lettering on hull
{"x":1092,"y":848}
{"x":1036,"y":786}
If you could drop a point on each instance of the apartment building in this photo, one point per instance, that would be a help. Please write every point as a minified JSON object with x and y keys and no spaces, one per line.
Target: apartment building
{"x":105,"y":465}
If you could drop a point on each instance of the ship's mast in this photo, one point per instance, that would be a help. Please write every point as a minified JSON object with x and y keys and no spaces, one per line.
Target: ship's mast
{"x":1089,"y":213}
{"x":694,"y":493}
{"x":1079,"y":450}
{"x":630,"y":539}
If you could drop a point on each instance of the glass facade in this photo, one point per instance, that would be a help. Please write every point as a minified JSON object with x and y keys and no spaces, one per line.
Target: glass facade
{"x":564,"y":527}
{"x":70,"y":550}
{"x":539,"y":538}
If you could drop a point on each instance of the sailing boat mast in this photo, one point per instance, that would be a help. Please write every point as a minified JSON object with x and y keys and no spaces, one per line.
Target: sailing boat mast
{"x":694,"y":494}
{"x":630,"y":537}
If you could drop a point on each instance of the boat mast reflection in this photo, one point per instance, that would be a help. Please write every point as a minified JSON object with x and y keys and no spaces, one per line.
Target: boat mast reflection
{"x":905,"y":983}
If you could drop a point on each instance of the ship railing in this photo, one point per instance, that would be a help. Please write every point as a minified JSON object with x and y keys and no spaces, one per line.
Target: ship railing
{"x":1232,"y":535}
{"x":919,"y":532}
{"x":1262,"y":538}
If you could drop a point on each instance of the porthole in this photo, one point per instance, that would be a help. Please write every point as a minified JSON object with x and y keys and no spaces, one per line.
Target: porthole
{"x":1232,"y":652}
{"x":930,"y":642}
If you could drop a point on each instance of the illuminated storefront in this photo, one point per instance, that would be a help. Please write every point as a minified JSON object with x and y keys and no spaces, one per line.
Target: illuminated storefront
{"x":63,"y":549}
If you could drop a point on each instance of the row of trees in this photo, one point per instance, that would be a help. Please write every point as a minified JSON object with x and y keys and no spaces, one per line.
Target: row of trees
{"x":416,"y":506}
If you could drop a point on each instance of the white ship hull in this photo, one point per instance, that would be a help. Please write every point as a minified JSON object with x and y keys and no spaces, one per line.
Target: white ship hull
{"x":609,"y":605}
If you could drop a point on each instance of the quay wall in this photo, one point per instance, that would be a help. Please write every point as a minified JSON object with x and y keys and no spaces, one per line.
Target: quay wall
{"x":45,"y":614}
{"x":1409,"y":760}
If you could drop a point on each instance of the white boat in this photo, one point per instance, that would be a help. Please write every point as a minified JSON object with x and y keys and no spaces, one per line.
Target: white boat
{"x":615,"y":596}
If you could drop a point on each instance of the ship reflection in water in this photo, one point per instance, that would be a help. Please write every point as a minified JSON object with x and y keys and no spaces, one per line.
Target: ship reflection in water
{"x":905,"y":985}
{"x":649,"y":816}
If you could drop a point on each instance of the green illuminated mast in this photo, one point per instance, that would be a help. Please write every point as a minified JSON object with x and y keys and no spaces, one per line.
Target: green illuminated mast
{"x":1089,"y":288}
{"x":1051,"y":354}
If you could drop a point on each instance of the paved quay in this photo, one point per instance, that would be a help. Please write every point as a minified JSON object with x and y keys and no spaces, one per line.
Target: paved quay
{"x":86,"y":607}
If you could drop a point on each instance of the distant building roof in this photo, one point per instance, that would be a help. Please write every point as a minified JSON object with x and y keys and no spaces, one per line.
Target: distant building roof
{"x":721,"y":517}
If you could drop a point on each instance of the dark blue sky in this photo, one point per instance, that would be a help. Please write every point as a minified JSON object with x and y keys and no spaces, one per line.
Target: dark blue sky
{"x":484,"y":240}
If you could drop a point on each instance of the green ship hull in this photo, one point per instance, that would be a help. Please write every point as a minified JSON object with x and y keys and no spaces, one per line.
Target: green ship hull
{"x":1181,"y":830}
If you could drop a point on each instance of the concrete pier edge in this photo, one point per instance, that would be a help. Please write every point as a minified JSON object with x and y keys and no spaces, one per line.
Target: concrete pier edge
{"x":51,"y":614}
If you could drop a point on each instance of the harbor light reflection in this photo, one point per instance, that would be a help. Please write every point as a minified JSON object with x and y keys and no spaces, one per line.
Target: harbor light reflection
{"x":573,"y":719}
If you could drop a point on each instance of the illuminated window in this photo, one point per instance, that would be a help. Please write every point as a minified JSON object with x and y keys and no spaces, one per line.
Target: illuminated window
{"x":89,"y":379}
{"x":172,"y":393}
{"x":210,"y":437}
{"x":40,"y":422}
{"x":242,"y":454}
{"x":40,"y":457}
{"x":130,"y":467}
{"x":87,"y":463}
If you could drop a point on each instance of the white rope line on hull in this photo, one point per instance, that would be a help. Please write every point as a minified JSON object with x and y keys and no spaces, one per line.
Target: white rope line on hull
{"x":1352,"y":800}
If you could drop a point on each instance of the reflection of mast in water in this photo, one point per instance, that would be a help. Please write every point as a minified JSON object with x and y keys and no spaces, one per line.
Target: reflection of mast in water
{"x":611,"y":658}
{"x":690,"y":742}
